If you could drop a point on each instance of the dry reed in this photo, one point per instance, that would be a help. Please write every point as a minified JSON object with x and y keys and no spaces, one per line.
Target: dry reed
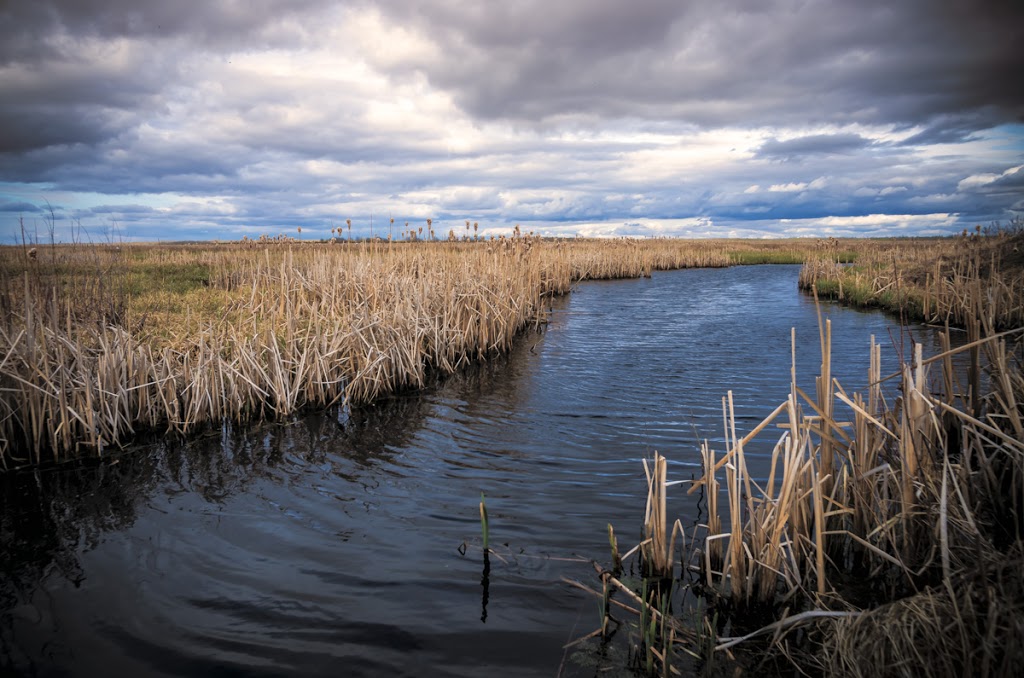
{"x":923,"y":494}
{"x":100,"y":343}
{"x":975,"y":277}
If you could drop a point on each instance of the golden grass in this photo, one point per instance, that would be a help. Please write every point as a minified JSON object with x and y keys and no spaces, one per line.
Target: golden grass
{"x":951,"y":281}
{"x":99,"y":343}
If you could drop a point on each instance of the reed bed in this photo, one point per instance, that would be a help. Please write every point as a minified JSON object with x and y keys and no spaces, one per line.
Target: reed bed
{"x":973,"y":277}
{"x":101,"y":343}
{"x":889,"y":530}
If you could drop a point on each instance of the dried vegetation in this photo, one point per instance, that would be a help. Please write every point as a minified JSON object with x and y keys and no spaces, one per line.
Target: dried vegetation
{"x":888,"y":536}
{"x":937,"y":280}
{"x":101,"y":343}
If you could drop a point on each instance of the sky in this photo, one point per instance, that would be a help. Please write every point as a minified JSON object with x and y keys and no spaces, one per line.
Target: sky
{"x":217,"y":119}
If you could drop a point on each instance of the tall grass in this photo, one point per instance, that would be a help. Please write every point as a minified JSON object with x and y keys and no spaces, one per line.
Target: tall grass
{"x":975,"y":277}
{"x":101,"y":343}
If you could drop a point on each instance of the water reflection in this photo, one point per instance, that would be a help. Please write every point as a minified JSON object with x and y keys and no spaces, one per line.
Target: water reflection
{"x":348,"y":542}
{"x":485,"y":584}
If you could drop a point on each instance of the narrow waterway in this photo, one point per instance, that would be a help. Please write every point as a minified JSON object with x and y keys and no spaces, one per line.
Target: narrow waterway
{"x":349,"y":543}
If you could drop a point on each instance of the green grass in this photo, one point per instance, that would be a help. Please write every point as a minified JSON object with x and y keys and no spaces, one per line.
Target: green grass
{"x":171,"y":278}
{"x":859,"y":295}
{"x":750,"y":258}
{"x":754,"y":257}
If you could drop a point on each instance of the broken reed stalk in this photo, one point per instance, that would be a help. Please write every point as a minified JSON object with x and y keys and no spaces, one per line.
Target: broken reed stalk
{"x":657,"y":630}
{"x":923,"y":492}
{"x":658,"y":545}
{"x":484,"y":525}
{"x":890,"y":482}
{"x":614,"y":544}
{"x":966,"y":500}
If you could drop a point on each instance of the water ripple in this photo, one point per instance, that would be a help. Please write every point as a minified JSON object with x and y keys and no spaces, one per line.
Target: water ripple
{"x":350,"y":543}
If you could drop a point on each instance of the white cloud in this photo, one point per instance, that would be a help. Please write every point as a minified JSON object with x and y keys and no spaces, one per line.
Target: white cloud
{"x":788,"y":188}
{"x":977,"y":180}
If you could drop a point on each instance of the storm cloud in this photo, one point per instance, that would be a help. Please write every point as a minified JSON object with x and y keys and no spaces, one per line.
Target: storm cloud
{"x":220,"y":118}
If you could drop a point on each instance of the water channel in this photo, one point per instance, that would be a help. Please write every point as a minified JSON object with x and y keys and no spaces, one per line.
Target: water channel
{"x":348,"y":543}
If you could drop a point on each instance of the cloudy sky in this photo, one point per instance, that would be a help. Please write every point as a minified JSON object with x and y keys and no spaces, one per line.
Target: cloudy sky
{"x":199,"y":119}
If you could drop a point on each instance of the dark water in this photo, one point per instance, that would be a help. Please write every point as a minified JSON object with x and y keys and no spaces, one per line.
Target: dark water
{"x":349,"y":544}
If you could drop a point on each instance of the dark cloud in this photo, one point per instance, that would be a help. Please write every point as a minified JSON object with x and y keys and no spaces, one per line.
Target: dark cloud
{"x":30,"y":127}
{"x":993,"y":197}
{"x":279,"y":113}
{"x":85,"y":71}
{"x":768,"y":63}
{"x":27,"y":27}
{"x":953,"y":128}
{"x":814,"y":144}
{"x":1010,"y":183}
{"x":19,"y":207}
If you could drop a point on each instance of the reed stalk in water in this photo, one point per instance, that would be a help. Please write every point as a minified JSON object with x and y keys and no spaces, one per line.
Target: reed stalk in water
{"x":484,"y":525}
{"x":658,"y":547}
{"x":924,"y":493}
